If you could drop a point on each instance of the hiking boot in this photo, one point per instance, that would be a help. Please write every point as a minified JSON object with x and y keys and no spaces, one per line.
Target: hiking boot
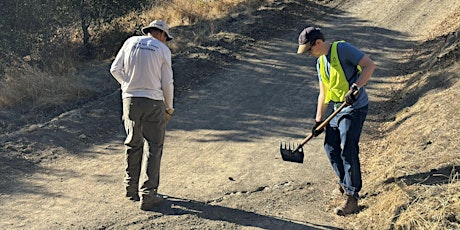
{"x":150,"y":202}
{"x":348,"y":207}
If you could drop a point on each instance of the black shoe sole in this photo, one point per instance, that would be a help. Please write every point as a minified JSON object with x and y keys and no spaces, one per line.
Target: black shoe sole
{"x":134,"y":198}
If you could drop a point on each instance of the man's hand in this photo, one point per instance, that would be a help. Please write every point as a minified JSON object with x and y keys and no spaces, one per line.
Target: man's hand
{"x":169,"y":113}
{"x":350,"y":97}
{"x":319,"y":131}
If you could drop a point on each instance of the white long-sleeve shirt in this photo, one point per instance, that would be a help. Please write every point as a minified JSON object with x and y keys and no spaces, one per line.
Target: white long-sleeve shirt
{"x":143,"y":69}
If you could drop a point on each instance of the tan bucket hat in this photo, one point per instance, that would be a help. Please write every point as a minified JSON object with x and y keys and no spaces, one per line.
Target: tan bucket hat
{"x":159,"y":24}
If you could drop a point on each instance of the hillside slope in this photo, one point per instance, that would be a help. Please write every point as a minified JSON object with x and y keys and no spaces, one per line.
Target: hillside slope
{"x":412,"y":155}
{"x":414,"y":162}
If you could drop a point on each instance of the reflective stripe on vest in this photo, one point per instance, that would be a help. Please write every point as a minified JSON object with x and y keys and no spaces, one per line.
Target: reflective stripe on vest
{"x":336,"y":83}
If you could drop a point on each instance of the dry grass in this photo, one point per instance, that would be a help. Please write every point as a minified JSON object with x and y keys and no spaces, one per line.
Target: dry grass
{"x":418,"y":206}
{"x":187,"y":12}
{"x":32,"y":88}
{"x":412,"y":172}
{"x":43,"y":80}
{"x":177,"y":13}
{"x":433,"y":207}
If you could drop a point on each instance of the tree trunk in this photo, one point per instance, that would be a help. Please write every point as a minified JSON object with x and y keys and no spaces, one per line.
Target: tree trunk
{"x":85,"y":23}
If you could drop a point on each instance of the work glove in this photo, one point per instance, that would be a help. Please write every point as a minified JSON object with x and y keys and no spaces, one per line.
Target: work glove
{"x":169,"y":113}
{"x":350,"y":97}
{"x":319,"y":131}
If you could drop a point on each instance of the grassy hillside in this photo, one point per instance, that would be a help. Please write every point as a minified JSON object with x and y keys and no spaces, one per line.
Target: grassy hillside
{"x":39,"y":63}
{"x":412,"y":156}
{"x":40,"y":82}
{"x":412,"y":152}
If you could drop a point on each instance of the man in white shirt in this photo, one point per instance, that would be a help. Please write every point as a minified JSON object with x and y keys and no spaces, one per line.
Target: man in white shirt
{"x":143,"y":69}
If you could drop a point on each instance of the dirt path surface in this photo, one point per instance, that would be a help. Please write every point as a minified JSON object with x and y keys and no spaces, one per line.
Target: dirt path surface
{"x":221,"y":167}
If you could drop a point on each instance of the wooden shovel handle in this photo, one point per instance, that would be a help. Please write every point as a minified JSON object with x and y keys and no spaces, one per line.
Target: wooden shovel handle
{"x":322,"y":125}
{"x":328,"y":119}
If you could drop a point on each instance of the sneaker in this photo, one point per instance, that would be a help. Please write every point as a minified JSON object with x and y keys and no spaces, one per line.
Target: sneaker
{"x":348,"y":207}
{"x":149,"y":202}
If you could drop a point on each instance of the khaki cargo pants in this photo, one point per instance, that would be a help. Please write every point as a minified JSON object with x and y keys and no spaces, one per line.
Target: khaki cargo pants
{"x":144,"y":121}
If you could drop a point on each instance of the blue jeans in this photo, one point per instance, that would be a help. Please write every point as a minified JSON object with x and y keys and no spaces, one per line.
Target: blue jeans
{"x":341,"y":145}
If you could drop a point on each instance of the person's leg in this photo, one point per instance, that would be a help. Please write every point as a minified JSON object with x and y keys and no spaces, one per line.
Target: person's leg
{"x":134,"y":144}
{"x":154,"y":126}
{"x":333,"y":148}
{"x":350,"y":127}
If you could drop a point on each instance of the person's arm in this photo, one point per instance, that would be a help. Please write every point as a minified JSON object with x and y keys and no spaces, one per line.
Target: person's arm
{"x":167,"y":82}
{"x":321,"y":106}
{"x":368,"y":67}
{"x":320,"y":110}
{"x":117,"y":67}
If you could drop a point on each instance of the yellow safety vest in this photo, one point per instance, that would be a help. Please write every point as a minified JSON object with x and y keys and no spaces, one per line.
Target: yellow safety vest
{"x":336,"y":83}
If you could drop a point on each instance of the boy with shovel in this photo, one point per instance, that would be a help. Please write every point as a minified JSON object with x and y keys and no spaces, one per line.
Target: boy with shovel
{"x":343,"y":70}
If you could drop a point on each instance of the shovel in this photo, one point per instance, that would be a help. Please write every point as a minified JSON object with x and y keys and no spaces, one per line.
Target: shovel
{"x":296,"y":155}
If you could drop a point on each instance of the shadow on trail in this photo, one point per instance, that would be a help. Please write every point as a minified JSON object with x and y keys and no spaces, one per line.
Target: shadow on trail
{"x":444,"y":175}
{"x":272,"y":93}
{"x":179,"y":206}
{"x":12,"y":171}
{"x":269,"y":90}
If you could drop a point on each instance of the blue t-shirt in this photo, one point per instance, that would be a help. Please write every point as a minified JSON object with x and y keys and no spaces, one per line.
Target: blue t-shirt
{"x":349,"y":57}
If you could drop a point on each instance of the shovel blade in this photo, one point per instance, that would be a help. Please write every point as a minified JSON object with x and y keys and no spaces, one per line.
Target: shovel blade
{"x":291,"y":155}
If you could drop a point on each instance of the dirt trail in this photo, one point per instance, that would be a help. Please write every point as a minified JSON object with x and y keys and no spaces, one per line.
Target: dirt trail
{"x":221,"y":166}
